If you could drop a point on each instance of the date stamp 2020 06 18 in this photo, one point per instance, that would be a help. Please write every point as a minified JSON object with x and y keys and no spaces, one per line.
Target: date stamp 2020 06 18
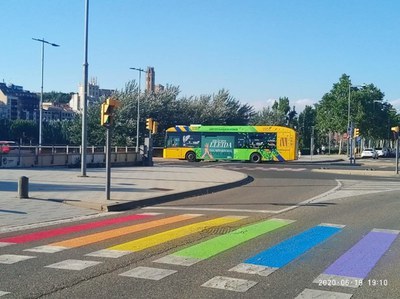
{"x":352,"y":282}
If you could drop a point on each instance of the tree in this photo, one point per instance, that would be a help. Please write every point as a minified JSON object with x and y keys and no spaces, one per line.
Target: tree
{"x":57,"y":97}
{"x":331,"y":111}
{"x":279,"y":114}
{"x":5,"y":125}
{"x":24,"y":130}
{"x":306,"y":122}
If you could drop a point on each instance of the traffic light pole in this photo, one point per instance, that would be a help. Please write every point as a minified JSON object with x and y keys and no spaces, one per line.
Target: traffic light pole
{"x":106,"y":120}
{"x":397,"y":154}
{"x":351,"y":144}
{"x":108,"y":163}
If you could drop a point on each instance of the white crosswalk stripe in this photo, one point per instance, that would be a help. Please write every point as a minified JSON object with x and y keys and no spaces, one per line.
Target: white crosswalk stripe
{"x":350,"y":188}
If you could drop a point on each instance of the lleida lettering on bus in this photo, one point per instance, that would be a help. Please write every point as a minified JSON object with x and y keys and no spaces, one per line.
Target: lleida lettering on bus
{"x":220,"y":143}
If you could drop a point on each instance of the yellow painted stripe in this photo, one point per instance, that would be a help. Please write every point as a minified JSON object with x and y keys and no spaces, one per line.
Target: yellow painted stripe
{"x":153,"y":240}
{"x":97,"y":237}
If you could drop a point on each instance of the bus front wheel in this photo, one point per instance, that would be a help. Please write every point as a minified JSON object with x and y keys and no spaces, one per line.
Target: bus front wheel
{"x":191,"y":156}
{"x":255,"y":158}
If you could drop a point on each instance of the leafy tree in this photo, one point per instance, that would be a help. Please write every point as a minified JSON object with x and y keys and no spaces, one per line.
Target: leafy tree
{"x":24,"y":130}
{"x":306,"y":122}
{"x":5,"y":125}
{"x":332,"y":109}
{"x":279,"y":114}
{"x":56,"y":97}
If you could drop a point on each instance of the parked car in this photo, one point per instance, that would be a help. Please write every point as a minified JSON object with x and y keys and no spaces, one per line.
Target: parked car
{"x":6,"y":146}
{"x":382,"y":152}
{"x":369,"y":153}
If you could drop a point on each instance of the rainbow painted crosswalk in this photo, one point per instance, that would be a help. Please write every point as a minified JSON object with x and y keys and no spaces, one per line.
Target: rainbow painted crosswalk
{"x":148,"y":231}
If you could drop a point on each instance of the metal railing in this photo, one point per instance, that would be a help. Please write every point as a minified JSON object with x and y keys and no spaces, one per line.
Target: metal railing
{"x":41,"y":156}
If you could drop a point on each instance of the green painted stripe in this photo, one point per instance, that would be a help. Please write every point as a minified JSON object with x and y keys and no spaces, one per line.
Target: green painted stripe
{"x":219,"y":244}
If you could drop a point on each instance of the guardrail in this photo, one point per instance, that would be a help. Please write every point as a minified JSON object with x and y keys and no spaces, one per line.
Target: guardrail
{"x":35,"y":156}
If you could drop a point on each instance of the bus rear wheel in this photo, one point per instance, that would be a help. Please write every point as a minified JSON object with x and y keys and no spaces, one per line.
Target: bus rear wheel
{"x":191,"y":156}
{"x":255,"y":158}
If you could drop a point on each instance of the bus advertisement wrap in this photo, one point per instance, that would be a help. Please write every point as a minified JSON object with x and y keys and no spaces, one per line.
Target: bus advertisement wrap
{"x":236,"y":143}
{"x":217,"y":147}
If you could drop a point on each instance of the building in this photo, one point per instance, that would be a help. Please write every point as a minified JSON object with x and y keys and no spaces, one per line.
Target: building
{"x":150,"y":79}
{"x":95,"y":95}
{"x":56,"y":111}
{"x":18,"y":103}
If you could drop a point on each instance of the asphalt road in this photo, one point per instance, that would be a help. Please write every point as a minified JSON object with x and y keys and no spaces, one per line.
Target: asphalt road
{"x":332,"y":221}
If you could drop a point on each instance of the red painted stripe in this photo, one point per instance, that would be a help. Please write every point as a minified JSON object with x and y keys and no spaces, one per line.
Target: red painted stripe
{"x":71,"y":229}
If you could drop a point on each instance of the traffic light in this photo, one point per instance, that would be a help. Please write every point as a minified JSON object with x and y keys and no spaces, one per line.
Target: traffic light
{"x":356,"y":132}
{"x":149,"y":124}
{"x":395,"y":131}
{"x":107,"y":110}
{"x":155,"y":127}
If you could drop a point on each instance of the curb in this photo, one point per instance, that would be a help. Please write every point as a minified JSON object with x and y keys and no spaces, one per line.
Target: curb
{"x":171,"y":197}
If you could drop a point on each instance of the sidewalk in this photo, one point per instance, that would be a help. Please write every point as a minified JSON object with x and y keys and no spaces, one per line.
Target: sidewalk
{"x":61,"y":193}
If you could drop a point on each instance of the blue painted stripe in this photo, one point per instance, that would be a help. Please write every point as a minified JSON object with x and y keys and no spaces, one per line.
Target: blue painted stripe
{"x":178,"y":129}
{"x":279,"y":157}
{"x":290,"y":249}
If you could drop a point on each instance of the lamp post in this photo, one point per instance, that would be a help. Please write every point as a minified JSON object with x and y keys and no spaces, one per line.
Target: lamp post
{"x":41,"y":88}
{"x":138,"y":110}
{"x":85,"y":91}
{"x":350,"y":125}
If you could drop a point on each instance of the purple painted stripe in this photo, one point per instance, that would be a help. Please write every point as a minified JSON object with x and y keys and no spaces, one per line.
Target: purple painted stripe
{"x":362,"y":257}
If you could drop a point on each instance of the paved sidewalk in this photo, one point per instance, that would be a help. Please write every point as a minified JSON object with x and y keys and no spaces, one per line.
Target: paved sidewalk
{"x":61,"y":193}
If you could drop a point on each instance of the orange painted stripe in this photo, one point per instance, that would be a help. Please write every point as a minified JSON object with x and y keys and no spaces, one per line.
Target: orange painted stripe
{"x":97,"y":237}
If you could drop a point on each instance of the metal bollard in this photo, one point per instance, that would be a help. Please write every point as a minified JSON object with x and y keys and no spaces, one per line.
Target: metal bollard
{"x":23,"y":187}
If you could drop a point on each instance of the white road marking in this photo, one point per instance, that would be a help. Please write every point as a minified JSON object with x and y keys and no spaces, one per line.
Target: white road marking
{"x":3,"y":244}
{"x":318,"y":294}
{"x":75,"y":265}
{"x":178,"y":260}
{"x":2,"y":293}
{"x":13,"y":258}
{"x":47,"y":249}
{"x":109,"y":253}
{"x":148,"y":273}
{"x":253,"y":269}
{"x":230,"y":284}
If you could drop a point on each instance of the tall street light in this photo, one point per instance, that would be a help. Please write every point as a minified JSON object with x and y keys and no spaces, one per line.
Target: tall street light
{"x":85,"y":91}
{"x":138,"y":110}
{"x":41,"y":88}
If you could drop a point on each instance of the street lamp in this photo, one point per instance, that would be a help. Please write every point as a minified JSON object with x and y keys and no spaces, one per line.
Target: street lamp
{"x":138,"y":110}
{"x":85,"y":91}
{"x":41,"y":89}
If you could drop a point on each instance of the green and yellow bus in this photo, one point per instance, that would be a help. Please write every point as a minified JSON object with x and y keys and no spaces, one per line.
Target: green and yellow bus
{"x":243,"y":143}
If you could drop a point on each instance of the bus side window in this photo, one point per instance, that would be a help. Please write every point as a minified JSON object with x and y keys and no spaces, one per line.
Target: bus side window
{"x":242,"y":141}
{"x":191,"y":140}
{"x":173,"y":141}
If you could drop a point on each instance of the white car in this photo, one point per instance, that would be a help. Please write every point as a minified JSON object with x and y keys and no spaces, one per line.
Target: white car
{"x":369,"y":153}
{"x":382,"y":152}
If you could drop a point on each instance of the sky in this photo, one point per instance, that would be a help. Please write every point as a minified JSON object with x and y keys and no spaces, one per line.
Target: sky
{"x":259,"y":50}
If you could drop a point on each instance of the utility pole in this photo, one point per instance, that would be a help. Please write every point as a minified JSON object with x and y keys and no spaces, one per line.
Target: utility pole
{"x":312,"y":143}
